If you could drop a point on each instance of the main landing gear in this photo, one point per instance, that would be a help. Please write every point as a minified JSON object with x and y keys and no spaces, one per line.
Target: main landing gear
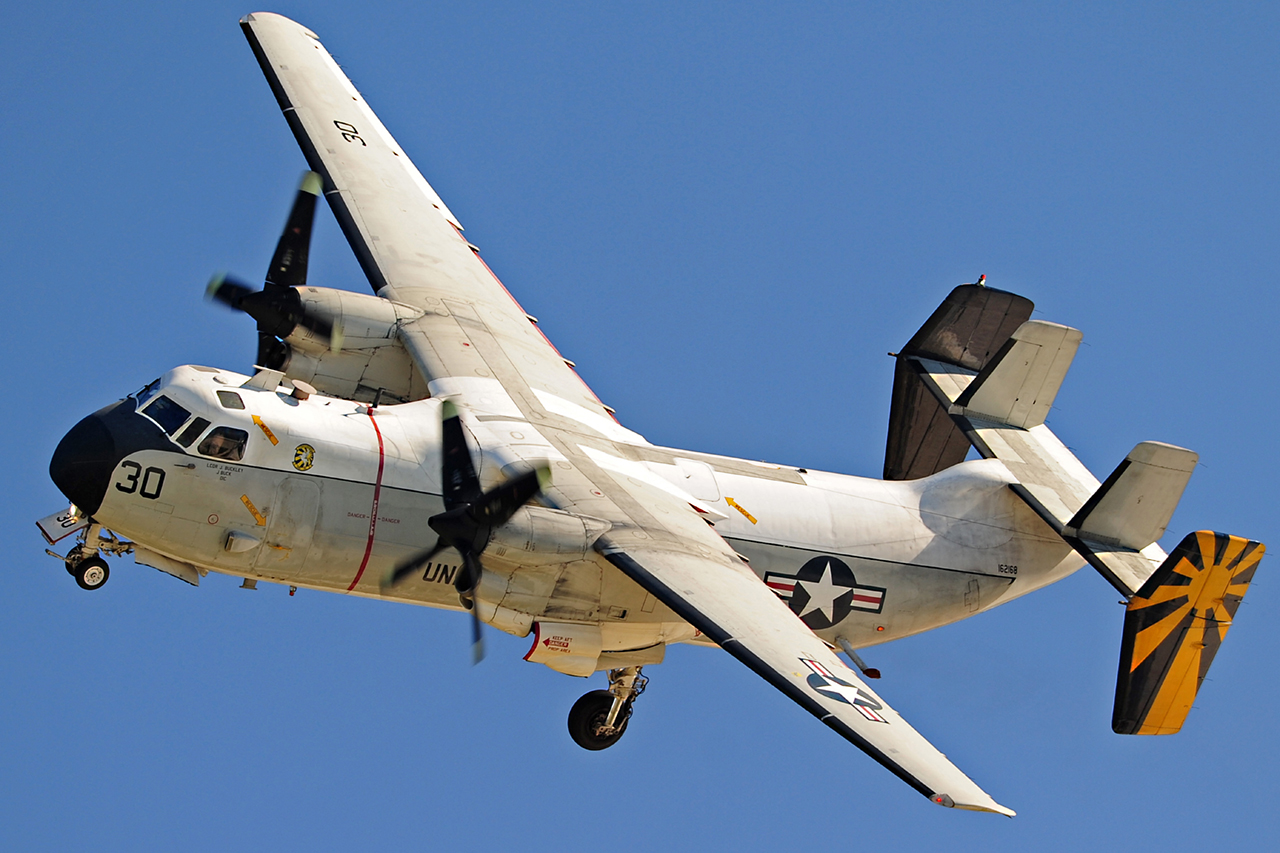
{"x":598,"y":719}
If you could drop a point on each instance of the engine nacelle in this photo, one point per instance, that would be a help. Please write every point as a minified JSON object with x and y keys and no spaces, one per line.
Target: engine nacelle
{"x":363,"y":357}
{"x":362,"y":320}
{"x":540,"y":536}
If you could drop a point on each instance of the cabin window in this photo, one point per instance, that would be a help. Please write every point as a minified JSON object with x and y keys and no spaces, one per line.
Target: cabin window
{"x":230,"y":400}
{"x":167,"y":413}
{"x":192,"y":432}
{"x":225,"y":443}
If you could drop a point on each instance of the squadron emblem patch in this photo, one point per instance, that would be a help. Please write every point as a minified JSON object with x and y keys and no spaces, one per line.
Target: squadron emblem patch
{"x":822,"y":681}
{"x":824,"y":592}
{"x":304,"y":456}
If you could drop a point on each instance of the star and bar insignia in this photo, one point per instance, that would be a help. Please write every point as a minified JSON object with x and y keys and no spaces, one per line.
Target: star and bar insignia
{"x":823,"y":682}
{"x":824,"y":592}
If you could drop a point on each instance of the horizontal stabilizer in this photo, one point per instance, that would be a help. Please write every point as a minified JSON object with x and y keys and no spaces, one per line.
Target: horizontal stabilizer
{"x":1018,"y":385}
{"x":1133,"y":507}
{"x":1173,"y":627}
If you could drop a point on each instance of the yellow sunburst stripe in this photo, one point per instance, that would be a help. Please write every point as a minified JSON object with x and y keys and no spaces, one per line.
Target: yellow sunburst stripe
{"x":1211,"y":582}
{"x":1164,"y":594}
{"x":1235,"y":547}
{"x":1150,"y":638}
{"x":1177,"y":693}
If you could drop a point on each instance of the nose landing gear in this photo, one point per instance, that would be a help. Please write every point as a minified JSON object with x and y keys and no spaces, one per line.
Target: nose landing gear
{"x":598,"y":719}
{"x":84,"y":562}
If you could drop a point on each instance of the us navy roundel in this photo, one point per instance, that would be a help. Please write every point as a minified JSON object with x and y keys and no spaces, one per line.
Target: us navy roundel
{"x":824,"y":592}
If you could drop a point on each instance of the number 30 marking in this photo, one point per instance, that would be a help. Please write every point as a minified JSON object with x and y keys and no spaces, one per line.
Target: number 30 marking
{"x":152,"y":481}
{"x":349,"y":132}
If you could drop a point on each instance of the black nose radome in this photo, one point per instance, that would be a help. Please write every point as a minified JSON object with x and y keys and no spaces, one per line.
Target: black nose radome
{"x":88,"y":455}
{"x":81,"y":466}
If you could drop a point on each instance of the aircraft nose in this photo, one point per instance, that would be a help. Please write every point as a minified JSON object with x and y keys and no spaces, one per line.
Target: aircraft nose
{"x":82,"y":464}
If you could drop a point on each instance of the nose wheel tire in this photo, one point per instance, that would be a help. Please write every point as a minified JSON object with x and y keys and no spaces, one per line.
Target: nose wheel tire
{"x":90,"y":573}
{"x":588,"y":718}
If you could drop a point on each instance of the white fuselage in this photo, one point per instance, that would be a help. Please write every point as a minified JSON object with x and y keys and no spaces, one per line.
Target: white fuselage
{"x":329,"y":495}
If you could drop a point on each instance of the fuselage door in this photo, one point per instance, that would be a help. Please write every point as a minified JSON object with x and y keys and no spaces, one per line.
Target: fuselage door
{"x":291,"y":523}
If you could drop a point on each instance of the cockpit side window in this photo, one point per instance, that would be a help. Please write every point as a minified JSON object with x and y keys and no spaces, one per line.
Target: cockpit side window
{"x":230,"y":400}
{"x":225,"y":443}
{"x":167,"y":413}
{"x":192,"y":432}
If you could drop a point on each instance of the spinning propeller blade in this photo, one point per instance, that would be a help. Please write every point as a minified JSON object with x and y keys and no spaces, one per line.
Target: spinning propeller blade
{"x":461,"y":486}
{"x":411,"y":565}
{"x":469,"y":518}
{"x":278,"y":308}
{"x":289,"y":263}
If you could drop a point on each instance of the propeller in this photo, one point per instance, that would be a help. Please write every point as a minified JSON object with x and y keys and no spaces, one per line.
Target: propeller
{"x":278,"y":308}
{"x":470,"y":516}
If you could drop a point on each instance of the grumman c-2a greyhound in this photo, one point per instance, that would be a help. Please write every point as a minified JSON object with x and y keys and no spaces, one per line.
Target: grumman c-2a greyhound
{"x":428,"y":445}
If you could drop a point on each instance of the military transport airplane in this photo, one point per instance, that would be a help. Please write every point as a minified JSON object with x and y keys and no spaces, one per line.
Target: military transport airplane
{"x":427,"y":444}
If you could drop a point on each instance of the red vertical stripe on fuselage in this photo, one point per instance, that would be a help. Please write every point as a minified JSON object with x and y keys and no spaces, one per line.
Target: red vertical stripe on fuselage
{"x":373,"y":515}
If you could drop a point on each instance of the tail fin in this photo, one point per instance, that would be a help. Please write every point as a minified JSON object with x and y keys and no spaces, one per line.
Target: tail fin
{"x":1174,"y":626}
{"x":967,"y":329}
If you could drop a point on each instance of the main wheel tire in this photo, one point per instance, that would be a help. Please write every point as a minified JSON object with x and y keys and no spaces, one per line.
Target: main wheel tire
{"x":588,"y":714}
{"x":91,"y":573}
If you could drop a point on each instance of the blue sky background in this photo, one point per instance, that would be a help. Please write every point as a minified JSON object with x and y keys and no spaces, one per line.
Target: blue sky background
{"x":726,"y":215}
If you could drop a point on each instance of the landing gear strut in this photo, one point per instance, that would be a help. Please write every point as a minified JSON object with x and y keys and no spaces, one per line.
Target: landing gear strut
{"x":598,"y":719}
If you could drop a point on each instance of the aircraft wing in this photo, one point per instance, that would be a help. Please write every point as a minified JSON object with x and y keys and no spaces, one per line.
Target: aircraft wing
{"x":408,"y":242}
{"x":716,"y":593}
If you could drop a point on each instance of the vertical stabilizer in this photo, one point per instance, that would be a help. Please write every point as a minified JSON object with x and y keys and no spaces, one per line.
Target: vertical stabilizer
{"x":1174,"y":626}
{"x":966,"y":330}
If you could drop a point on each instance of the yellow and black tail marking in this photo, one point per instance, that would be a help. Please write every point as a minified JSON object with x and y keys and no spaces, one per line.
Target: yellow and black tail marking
{"x":1173,"y":627}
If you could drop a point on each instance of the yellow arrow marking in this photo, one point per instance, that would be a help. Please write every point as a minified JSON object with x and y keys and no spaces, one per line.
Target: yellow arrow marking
{"x":266,"y":430}
{"x":731,"y":502}
{"x":253,"y":510}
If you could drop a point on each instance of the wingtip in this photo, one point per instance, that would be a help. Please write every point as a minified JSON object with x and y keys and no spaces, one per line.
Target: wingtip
{"x":990,"y":805}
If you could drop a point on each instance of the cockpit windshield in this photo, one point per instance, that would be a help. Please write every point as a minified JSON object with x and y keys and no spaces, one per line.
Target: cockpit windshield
{"x":167,"y":413}
{"x":146,"y":393}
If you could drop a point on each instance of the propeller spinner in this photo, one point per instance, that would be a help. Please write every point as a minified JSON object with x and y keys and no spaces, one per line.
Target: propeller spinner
{"x":470,"y":516}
